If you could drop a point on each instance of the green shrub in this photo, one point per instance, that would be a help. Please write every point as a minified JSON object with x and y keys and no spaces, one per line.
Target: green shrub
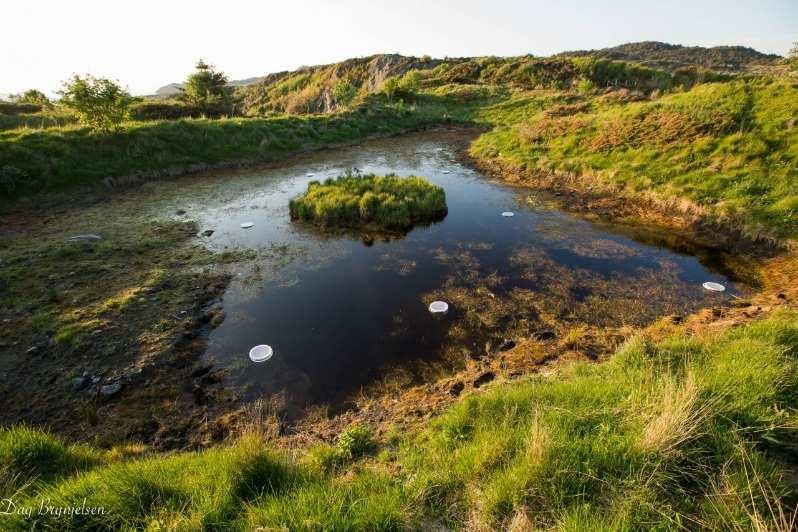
{"x":351,"y":444}
{"x":162,"y":110}
{"x":390,"y":86}
{"x":385,"y":202}
{"x":585,"y":87}
{"x":7,"y":108}
{"x":99,"y":103}
{"x":344,"y":93}
{"x":35,"y":97}
{"x":355,"y":441}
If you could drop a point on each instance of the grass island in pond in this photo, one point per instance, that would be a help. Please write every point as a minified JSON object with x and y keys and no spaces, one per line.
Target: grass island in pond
{"x":354,"y":201}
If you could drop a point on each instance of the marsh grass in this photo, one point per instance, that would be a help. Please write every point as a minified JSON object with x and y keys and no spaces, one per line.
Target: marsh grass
{"x":356,"y":201}
{"x":680,"y":433}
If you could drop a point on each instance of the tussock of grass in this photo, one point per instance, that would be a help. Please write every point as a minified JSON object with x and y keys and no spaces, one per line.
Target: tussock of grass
{"x":357,"y":201}
{"x":28,"y":455}
{"x":685,"y":432}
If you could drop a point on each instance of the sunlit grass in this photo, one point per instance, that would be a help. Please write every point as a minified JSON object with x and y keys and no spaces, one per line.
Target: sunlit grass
{"x":384,"y":202}
{"x":683,"y":432}
{"x":728,"y":147}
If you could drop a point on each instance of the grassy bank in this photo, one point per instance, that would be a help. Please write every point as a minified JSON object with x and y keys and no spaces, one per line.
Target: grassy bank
{"x":58,"y":158}
{"x":728,"y":147}
{"x":684,"y":432}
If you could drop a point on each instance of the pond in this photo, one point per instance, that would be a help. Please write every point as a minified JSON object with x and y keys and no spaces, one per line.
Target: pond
{"x":341,"y":313}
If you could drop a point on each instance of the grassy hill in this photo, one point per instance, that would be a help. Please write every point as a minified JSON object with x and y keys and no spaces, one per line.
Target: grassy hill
{"x":729,"y":148}
{"x":673,"y":56}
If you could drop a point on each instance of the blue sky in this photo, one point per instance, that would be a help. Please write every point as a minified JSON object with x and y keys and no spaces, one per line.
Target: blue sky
{"x":146,"y":44}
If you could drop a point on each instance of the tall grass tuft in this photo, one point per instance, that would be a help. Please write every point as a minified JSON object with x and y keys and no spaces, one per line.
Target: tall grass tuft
{"x":357,"y":201}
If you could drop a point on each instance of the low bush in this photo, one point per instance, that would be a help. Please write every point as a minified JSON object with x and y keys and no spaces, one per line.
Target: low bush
{"x":162,"y":110}
{"x":7,"y":108}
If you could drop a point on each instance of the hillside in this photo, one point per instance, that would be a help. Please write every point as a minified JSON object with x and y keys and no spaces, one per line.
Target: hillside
{"x":310,"y":89}
{"x":673,"y":56}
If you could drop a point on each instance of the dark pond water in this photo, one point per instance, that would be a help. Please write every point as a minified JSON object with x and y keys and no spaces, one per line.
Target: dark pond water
{"x":340,"y":314}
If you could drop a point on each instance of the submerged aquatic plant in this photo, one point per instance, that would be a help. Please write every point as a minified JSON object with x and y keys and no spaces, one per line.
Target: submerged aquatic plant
{"x":385,"y":202}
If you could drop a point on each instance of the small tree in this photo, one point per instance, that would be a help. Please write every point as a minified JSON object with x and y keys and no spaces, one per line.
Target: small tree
{"x":99,"y":103}
{"x":344,"y":93}
{"x":793,"y":56}
{"x":206,"y":88}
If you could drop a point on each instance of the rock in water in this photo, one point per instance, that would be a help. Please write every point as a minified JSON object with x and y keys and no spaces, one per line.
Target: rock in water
{"x":80,"y":383}
{"x":111,"y":389}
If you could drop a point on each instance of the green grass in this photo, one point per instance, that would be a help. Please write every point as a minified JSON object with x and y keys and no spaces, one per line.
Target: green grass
{"x":55,"y":159}
{"x":728,"y":147}
{"x":357,"y":201}
{"x":687,"y":432}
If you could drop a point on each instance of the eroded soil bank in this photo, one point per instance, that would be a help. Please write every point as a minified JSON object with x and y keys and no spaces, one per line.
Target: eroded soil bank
{"x":135,"y":336}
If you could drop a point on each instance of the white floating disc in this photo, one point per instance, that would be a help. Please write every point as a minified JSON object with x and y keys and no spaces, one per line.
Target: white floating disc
{"x":260,"y":353}
{"x":309,"y":174}
{"x":714,"y":287}
{"x":508,"y":214}
{"x":246,"y":225}
{"x":438,"y":307}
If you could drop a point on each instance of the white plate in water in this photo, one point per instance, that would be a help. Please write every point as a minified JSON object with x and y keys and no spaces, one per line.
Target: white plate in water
{"x":438,"y":307}
{"x":246,"y":225}
{"x":714,"y":287}
{"x":260,"y":353}
{"x":508,"y":214}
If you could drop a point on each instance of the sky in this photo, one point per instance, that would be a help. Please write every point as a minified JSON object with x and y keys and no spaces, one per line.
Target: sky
{"x":146,"y":44}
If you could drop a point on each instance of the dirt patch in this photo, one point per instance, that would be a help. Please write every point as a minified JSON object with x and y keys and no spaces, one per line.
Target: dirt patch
{"x":100,"y":334}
